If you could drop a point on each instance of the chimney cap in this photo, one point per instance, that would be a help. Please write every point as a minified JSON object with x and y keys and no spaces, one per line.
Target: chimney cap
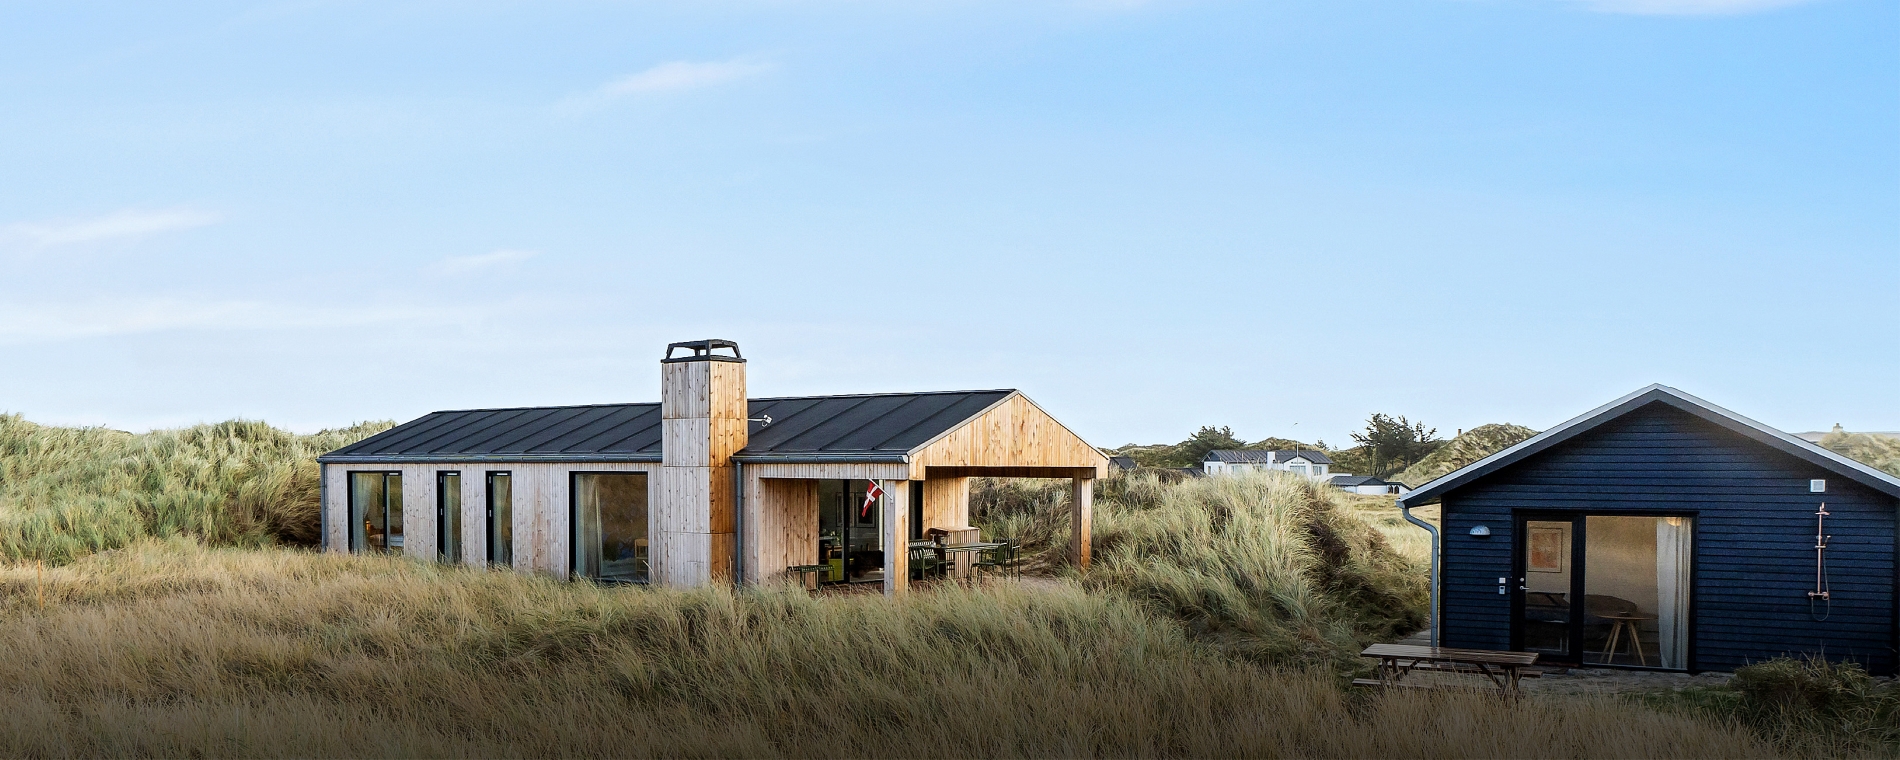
{"x":702,"y":351}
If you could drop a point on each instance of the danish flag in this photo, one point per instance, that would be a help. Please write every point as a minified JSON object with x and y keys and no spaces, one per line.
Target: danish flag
{"x":871,"y":492}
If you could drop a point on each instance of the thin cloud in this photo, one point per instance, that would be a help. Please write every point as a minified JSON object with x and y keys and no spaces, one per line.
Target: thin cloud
{"x":673,"y":76}
{"x":1690,"y":7}
{"x":129,"y":223}
{"x":482,"y":261}
{"x":30,"y":323}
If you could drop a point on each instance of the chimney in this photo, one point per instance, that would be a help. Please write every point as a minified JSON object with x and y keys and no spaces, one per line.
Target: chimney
{"x":702,"y":424}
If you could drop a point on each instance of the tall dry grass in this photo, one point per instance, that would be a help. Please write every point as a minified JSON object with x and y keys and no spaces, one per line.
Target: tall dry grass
{"x":1271,"y":567}
{"x":170,"y":648}
{"x":67,"y":492}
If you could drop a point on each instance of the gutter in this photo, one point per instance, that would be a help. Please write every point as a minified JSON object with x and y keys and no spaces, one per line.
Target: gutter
{"x":1406,"y":509}
{"x":819,"y":457}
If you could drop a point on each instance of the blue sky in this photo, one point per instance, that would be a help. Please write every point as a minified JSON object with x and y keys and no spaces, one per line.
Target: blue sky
{"x":1279,"y":216}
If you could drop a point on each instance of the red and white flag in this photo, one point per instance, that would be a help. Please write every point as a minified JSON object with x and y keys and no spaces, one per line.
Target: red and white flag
{"x":871,"y":492}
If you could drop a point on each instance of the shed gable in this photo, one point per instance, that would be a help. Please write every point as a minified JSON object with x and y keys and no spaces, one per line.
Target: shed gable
{"x":1014,"y":432}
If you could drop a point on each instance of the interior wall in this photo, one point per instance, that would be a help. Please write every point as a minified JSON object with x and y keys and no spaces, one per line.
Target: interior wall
{"x":1620,"y":559}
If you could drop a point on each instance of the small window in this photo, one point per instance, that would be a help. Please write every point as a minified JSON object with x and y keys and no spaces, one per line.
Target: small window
{"x":448,"y":516}
{"x":500,"y":518}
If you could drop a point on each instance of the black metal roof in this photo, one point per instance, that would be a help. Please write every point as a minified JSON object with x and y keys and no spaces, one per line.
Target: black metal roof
{"x":871,"y":427}
{"x":1657,"y":394}
{"x":1354,"y":481}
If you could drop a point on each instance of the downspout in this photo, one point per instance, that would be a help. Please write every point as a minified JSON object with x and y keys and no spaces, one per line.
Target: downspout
{"x":323,"y":507}
{"x":1406,"y":509}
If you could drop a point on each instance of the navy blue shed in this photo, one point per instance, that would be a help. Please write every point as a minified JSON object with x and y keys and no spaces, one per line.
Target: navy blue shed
{"x":1660,"y":530}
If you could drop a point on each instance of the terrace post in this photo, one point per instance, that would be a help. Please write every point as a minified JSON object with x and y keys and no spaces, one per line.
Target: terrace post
{"x":1083,"y":512}
{"x":896,"y":538}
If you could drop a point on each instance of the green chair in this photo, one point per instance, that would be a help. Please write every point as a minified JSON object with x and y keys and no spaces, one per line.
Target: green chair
{"x":924,"y":563}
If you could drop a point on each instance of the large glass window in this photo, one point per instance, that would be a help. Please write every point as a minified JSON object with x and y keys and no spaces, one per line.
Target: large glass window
{"x":501,"y":520}
{"x":448,"y":516}
{"x":376,"y":512}
{"x":610,"y":525}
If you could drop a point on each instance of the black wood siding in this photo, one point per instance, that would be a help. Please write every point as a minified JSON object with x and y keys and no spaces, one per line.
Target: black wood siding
{"x":1754,"y":538}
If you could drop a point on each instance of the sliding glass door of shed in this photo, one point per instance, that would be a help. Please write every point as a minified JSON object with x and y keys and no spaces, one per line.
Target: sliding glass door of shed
{"x":1605,"y":589}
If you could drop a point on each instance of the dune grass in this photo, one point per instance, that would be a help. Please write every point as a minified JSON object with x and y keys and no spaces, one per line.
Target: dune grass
{"x":172,"y":648}
{"x":67,"y":492}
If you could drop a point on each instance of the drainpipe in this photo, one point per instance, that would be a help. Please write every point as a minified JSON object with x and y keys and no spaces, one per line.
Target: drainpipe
{"x":1406,"y":509}
{"x":323,"y":507}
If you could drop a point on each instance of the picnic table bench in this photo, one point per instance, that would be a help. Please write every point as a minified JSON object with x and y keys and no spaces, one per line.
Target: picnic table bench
{"x":1396,"y":661}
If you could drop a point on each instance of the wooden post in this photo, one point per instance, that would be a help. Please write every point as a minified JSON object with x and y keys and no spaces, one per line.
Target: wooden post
{"x":1083,"y":506}
{"x":896,"y":536}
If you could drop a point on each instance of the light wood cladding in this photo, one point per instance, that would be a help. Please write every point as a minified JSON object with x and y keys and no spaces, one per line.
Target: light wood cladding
{"x":946,"y":503}
{"x":542,"y":507}
{"x":1013,"y":433}
{"x":781,"y":528}
{"x":702,"y":424}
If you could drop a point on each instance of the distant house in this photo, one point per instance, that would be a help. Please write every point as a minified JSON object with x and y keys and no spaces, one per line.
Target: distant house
{"x":1368,"y":485}
{"x":1663,"y":531}
{"x":1312,"y":464}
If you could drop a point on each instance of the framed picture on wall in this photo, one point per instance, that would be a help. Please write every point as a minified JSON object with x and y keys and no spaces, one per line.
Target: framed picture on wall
{"x":1546,"y":553}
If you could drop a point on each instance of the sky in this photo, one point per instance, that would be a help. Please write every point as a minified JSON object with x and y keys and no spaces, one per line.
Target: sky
{"x":1149,"y":216}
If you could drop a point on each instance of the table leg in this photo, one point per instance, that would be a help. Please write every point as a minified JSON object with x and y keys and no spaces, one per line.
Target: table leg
{"x":1609,"y":648}
{"x":1636,"y":642}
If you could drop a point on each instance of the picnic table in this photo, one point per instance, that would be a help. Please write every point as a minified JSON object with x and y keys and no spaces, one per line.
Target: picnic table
{"x":1396,"y":661}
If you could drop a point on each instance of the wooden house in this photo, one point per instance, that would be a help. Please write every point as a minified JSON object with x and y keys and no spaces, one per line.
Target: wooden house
{"x":1663,"y":531}
{"x":706,"y":485}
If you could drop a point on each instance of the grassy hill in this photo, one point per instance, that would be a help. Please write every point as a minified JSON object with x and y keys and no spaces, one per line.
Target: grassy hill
{"x":1469,"y":446}
{"x":68,"y":492}
{"x":1881,"y":451}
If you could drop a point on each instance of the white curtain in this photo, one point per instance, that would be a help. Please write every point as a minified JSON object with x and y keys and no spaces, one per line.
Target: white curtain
{"x":586,"y":527}
{"x":1672,"y":589}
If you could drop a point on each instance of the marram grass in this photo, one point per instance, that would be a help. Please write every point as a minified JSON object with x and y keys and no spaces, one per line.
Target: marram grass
{"x":67,"y":492}
{"x":171,"y":648}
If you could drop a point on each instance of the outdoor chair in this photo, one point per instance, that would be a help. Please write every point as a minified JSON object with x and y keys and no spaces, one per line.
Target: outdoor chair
{"x":924,"y":563}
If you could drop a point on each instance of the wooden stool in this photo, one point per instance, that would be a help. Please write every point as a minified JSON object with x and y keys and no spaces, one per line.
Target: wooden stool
{"x":1619,"y":624}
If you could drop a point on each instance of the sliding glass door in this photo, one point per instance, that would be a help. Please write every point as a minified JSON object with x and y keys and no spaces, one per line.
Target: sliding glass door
{"x":609,"y":516}
{"x":1605,"y":589}
{"x":376,"y":512}
{"x":850,"y":531}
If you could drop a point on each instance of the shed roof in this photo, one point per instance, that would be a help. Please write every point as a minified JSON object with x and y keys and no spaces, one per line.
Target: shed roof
{"x":859,"y":428}
{"x":1658,"y":394}
{"x":1354,"y":481}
